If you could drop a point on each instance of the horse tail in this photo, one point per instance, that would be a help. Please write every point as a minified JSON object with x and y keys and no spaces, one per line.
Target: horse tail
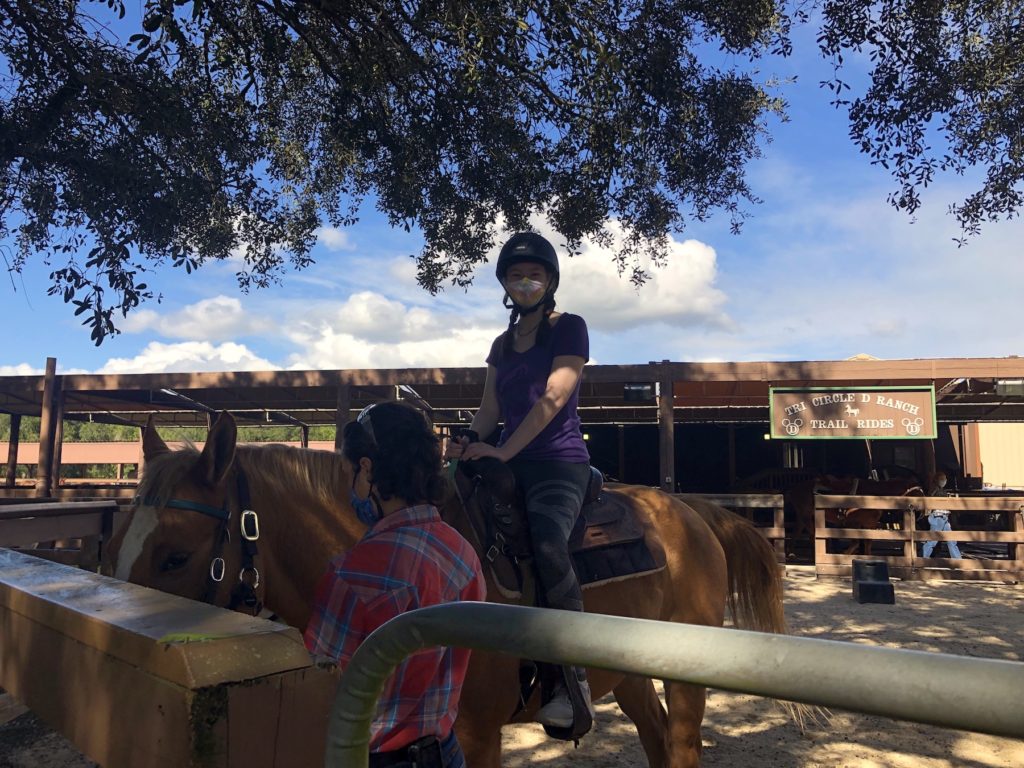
{"x":755,"y":588}
{"x":755,"y":580}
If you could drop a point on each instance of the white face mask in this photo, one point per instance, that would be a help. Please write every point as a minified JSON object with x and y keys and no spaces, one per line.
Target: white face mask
{"x":526,"y":292}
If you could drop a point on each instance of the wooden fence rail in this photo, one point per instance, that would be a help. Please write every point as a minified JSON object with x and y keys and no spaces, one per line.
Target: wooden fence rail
{"x":24,"y":525}
{"x":909,"y":564}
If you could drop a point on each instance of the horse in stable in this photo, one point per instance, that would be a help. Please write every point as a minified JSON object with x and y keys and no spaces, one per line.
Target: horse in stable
{"x":707,"y":558}
{"x":800,"y":504}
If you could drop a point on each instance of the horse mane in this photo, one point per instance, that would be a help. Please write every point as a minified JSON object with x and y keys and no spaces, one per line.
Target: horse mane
{"x":162,"y":473}
{"x":279,"y":469}
{"x":294,"y":472}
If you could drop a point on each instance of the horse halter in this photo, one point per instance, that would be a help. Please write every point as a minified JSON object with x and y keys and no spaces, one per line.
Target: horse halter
{"x":243,"y":593}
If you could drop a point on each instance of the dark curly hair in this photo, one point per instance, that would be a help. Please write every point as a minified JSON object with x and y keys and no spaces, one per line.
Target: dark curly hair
{"x":405,"y":452}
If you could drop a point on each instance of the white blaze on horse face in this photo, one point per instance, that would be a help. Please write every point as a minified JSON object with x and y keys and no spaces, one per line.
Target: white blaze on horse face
{"x":144,"y":522}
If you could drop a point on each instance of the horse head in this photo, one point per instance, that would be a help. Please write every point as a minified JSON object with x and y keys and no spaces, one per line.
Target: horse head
{"x":174,"y":539}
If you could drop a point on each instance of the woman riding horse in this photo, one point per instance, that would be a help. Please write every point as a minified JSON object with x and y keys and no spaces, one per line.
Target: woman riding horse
{"x":532,"y":384}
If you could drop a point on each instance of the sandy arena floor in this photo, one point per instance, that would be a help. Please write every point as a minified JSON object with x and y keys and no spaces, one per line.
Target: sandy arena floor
{"x":972,"y":619}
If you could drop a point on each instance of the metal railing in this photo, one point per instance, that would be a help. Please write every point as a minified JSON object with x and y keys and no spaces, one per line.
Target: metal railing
{"x":972,"y":694}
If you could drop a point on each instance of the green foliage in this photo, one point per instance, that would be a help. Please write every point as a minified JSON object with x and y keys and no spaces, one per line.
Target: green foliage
{"x":28,"y":432}
{"x":93,"y":432}
{"x":946,"y":93}
{"x":228,"y":125}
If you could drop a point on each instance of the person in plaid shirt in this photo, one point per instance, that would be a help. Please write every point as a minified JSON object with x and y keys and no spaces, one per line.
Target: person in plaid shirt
{"x":409,"y":558}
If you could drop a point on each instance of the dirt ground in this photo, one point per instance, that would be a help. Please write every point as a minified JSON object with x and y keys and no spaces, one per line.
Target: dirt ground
{"x":972,"y":619}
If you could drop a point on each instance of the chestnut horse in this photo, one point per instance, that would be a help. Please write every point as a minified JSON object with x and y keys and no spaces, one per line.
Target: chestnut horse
{"x":714,"y":558}
{"x":801,"y":499}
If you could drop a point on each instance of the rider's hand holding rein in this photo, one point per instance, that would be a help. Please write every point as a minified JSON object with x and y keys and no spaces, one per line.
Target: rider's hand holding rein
{"x":456,"y":445}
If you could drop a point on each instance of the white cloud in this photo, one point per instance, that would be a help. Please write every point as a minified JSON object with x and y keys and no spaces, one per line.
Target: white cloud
{"x":329,"y":348}
{"x":22,"y":369}
{"x":189,"y":356}
{"x":388,"y":321}
{"x":334,"y":239}
{"x":369,"y":330}
{"x":681,"y":292}
{"x":375,"y":318}
{"x":214,"y":319}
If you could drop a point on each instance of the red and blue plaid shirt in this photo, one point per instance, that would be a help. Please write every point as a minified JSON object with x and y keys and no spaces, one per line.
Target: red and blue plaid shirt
{"x":408,"y":559}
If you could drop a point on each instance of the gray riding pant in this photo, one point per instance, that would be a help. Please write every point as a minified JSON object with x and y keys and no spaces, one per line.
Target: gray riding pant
{"x":554,"y":492}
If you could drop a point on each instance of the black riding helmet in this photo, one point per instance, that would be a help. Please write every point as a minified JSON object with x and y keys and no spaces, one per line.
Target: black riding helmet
{"x":531,"y":247}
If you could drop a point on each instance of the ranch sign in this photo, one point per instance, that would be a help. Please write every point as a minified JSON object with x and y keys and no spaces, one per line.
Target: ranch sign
{"x":808,"y":413}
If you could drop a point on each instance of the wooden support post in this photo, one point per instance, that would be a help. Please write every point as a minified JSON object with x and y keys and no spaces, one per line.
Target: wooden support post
{"x":929,"y":464}
{"x":341,"y":415}
{"x":106,"y":534}
{"x":58,"y":432}
{"x":910,"y":514}
{"x":12,"y":451}
{"x":47,"y":429}
{"x":779,"y":524}
{"x":819,"y":543}
{"x":666,"y":435}
{"x":1015,"y":552}
{"x":305,"y":436}
{"x":621,"y":429}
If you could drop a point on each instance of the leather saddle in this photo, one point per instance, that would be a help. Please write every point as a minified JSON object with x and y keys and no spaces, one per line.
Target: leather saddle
{"x":606,"y":544}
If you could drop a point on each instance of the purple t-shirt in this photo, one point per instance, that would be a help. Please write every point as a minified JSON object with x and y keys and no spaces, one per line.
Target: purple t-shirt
{"x":521,"y":380}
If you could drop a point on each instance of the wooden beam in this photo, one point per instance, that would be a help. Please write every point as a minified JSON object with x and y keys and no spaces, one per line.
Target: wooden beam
{"x":666,"y":436}
{"x":341,"y":415}
{"x":47,"y":429}
{"x":621,"y":432}
{"x":12,"y":451}
{"x":58,"y":431}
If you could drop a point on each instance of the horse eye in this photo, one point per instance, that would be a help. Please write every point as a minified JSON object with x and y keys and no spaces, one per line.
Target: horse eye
{"x":175,"y":561}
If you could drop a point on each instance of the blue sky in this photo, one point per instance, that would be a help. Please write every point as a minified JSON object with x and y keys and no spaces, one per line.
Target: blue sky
{"x":823,"y":269}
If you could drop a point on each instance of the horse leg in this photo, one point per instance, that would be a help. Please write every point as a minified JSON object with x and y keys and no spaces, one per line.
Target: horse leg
{"x":639,"y":701}
{"x":686,"y":704}
{"x":482,"y":748}
{"x":489,"y":697}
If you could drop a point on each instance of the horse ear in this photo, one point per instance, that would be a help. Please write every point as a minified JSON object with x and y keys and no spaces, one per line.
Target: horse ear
{"x":152,"y":443}
{"x":218,"y":453}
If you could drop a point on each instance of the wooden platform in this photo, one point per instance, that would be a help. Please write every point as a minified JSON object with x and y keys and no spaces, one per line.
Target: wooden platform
{"x":135,"y":677}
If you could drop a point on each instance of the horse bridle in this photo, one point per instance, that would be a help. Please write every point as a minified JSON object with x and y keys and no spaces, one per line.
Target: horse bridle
{"x":244,"y":592}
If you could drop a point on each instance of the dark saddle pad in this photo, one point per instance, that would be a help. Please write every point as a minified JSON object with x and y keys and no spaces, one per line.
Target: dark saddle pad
{"x":607,"y":542}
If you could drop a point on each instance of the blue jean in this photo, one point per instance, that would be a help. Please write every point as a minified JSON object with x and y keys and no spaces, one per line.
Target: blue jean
{"x":452,"y":752}
{"x":940,"y":522}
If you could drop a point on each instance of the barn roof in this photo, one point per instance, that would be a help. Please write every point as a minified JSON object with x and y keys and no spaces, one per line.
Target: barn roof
{"x":968,"y":389}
